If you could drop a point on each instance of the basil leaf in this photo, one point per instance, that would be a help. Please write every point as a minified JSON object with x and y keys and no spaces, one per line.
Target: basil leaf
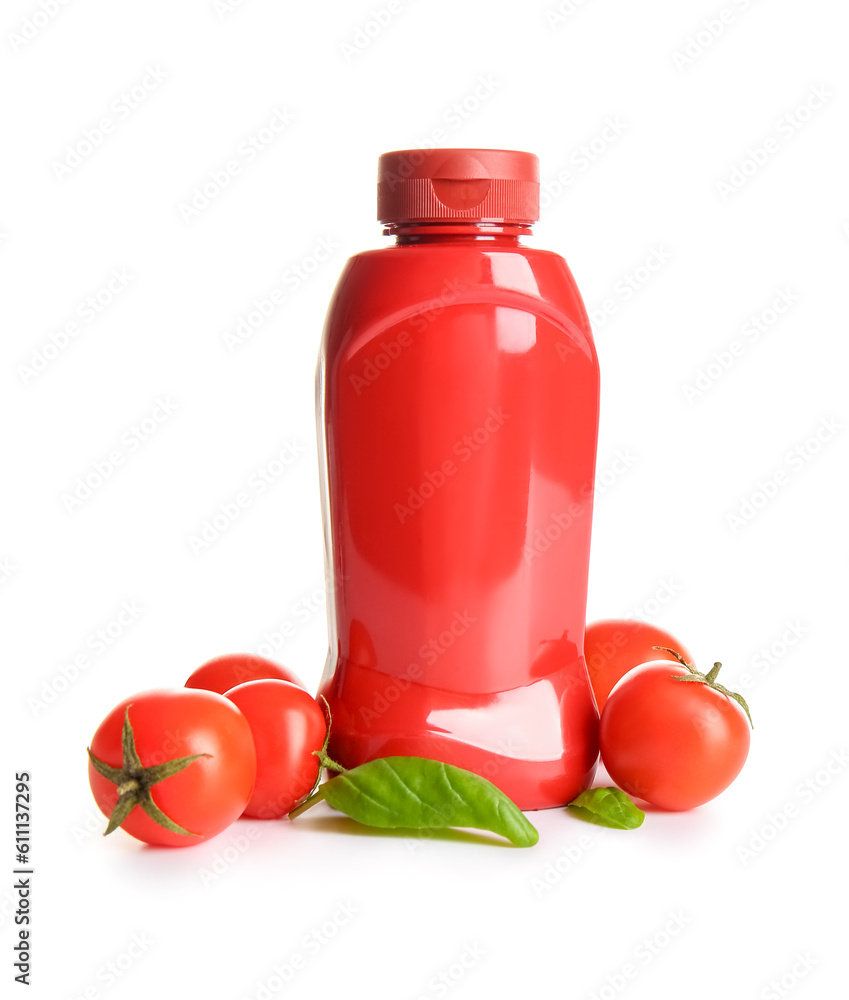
{"x":607,"y":807}
{"x":421,"y":794}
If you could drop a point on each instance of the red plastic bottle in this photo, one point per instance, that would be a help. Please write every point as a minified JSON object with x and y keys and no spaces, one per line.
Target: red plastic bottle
{"x":457,"y":391}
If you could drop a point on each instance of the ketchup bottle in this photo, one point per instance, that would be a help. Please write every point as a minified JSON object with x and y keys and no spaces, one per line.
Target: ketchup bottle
{"x":457,"y":406}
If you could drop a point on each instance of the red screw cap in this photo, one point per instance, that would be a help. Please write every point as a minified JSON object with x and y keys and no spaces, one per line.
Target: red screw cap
{"x":470,"y":185}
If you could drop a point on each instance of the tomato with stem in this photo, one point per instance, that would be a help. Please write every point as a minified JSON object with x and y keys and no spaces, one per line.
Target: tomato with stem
{"x":172,"y":767}
{"x":674,"y":736}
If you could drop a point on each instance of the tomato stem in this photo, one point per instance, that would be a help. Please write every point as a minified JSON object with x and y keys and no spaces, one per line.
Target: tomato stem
{"x":308,"y":803}
{"x":711,"y":674}
{"x":328,"y":762}
{"x":324,"y":760}
{"x":677,"y":656}
{"x":709,"y":679}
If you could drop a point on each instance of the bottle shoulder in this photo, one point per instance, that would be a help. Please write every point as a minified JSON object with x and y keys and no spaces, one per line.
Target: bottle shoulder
{"x":389,"y":279}
{"x":444,"y":291}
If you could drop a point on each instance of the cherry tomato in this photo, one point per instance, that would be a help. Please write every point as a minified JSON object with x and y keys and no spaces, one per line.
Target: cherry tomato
{"x":675,"y":743}
{"x":614,"y":646}
{"x":165,"y":727}
{"x":225,"y":672}
{"x":288,"y":725}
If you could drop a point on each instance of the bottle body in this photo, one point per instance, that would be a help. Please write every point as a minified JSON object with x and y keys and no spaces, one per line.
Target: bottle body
{"x":457,"y":393}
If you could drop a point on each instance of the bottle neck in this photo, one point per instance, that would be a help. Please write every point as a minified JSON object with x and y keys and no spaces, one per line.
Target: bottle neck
{"x":497,"y":233}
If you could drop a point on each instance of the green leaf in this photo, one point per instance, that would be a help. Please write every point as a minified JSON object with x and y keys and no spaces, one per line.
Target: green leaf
{"x":607,"y":807}
{"x":420,"y":794}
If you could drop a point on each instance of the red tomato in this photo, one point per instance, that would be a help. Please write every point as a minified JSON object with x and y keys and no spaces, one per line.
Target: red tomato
{"x":225,"y":672}
{"x":208,"y":794}
{"x":676,"y":744}
{"x":614,"y":646}
{"x":288,"y":725}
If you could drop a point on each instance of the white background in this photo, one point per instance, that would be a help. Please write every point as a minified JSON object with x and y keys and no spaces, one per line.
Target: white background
{"x":689,"y":110}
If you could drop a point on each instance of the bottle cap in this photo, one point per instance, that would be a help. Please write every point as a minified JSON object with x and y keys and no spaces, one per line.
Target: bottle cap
{"x":468,"y":185}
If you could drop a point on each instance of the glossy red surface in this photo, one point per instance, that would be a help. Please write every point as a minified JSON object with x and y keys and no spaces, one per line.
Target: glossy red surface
{"x":457,"y":395}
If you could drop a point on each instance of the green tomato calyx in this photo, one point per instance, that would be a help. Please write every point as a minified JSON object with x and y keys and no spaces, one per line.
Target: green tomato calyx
{"x":697,"y":677}
{"x":134,"y":782}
